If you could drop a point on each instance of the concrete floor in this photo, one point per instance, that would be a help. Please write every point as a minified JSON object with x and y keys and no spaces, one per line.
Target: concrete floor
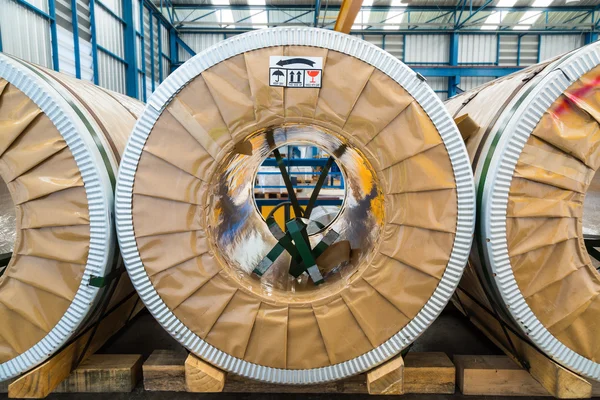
{"x":450,"y":333}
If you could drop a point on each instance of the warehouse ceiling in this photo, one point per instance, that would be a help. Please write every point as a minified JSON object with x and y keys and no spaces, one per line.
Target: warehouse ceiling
{"x":387,"y":15}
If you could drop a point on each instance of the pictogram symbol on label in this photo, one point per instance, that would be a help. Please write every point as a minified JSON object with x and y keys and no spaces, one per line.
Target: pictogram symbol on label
{"x":295,"y":72}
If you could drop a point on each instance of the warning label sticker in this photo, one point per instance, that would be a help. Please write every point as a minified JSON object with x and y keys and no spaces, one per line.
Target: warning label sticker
{"x":298,"y":72}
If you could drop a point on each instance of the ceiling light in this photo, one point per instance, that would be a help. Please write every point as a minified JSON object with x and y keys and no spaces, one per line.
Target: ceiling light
{"x":542,"y":3}
{"x":506,"y":3}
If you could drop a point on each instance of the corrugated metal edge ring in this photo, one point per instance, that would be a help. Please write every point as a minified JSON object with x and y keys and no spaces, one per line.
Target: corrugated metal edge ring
{"x":395,"y":70}
{"x":497,"y":185}
{"x":99,"y":197}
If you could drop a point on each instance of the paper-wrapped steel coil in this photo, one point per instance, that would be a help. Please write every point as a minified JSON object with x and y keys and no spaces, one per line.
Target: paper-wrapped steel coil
{"x":534,"y":142}
{"x":190,"y":233}
{"x":60,"y":140}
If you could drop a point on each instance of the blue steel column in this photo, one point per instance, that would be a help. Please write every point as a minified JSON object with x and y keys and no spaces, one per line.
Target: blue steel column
{"x":75,"y":23}
{"x":53,"y":33}
{"x":143,"y":49}
{"x":173,"y":56}
{"x":160,"y":52}
{"x":151,"y":18}
{"x":590,"y":37}
{"x":131,"y":75}
{"x":454,"y":80}
{"x":317,"y":10}
{"x":518,"y":50}
{"x":94,"y":42}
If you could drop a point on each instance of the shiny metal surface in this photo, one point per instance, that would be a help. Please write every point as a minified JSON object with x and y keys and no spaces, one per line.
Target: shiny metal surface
{"x":243,"y":237}
{"x":8,"y":220}
{"x":591,"y":210}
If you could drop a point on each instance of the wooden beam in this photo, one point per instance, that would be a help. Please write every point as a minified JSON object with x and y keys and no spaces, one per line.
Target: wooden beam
{"x":104,"y":373}
{"x":429,"y":373}
{"x":348,"y":12}
{"x":387,"y":378}
{"x":164,"y":371}
{"x":557,"y":380}
{"x":201,"y":377}
{"x":42,"y":380}
{"x":495,"y":376}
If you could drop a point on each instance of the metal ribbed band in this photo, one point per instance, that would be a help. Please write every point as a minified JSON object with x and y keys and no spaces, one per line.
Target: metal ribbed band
{"x":361,"y":50}
{"x":99,"y":196}
{"x":503,"y":149}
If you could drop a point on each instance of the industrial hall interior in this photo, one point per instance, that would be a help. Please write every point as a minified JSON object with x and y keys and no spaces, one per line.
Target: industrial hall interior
{"x":281,"y":199}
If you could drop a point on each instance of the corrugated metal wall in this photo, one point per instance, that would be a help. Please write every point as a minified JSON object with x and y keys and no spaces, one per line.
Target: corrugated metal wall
{"x":477,"y":49}
{"x":28,"y":34}
{"x":554,"y":45}
{"x":427,"y":49}
{"x":198,"y":43}
{"x":110,"y":39}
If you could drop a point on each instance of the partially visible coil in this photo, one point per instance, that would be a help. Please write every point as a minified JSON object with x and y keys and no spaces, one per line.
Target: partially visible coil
{"x":534,"y":140}
{"x":60,"y":144}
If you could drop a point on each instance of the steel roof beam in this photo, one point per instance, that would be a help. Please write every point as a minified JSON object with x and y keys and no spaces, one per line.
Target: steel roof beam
{"x":381,"y":8}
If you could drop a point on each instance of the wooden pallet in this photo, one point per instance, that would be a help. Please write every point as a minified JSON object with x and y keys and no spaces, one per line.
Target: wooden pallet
{"x":416,"y":373}
{"x":425,"y":373}
{"x":97,"y":373}
{"x":489,"y":375}
{"x":271,"y":195}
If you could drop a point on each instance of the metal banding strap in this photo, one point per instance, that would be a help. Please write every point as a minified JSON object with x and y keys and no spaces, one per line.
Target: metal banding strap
{"x":284,"y":242}
{"x":102,"y":281}
{"x":295,"y":229}
{"x":284,"y":174}
{"x":318,"y":186}
{"x":315,"y":194}
{"x":319,"y":249}
{"x":4,"y":260}
{"x":590,"y":246}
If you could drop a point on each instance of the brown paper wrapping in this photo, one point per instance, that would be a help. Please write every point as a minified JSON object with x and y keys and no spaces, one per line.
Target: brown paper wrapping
{"x":217,"y":111}
{"x":545,"y":206}
{"x":53,"y":226}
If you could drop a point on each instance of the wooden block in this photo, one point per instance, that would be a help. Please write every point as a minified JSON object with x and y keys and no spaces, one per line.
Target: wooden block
{"x":164,"y":371}
{"x":495,"y":376}
{"x":557,"y":380}
{"x":4,"y":385}
{"x":429,"y":373}
{"x":595,"y":388}
{"x":42,"y":380}
{"x":201,"y":377}
{"x":104,"y":373}
{"x":387,"y":378}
